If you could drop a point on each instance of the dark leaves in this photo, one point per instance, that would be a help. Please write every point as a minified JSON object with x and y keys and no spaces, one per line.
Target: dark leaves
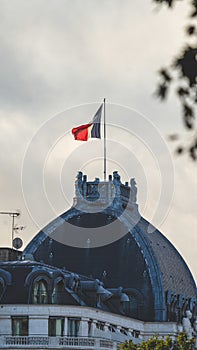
{"x":194,"y":10}
{"x":162,"y":88}
{"x":173,"y":137}
{"x":165,"y":75}
{"x":184,"y":73}
{"x":192,"y":150}
{"x":188,"y":111}
{"x":169,"y":3}
{"x":193,"y":153}
{"x":187,"y":64}
{"x":190,"y":30}
{"x":182,"y":92}
{"x":188,"y":116}
{"x":161,"y":91}
{"x":195,"y":97}
{"x":180,"y":150}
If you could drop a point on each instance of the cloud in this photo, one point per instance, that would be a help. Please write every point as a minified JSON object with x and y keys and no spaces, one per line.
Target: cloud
{"x":55,"y":54}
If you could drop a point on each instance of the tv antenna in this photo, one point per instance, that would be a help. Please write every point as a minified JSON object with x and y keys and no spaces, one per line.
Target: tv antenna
{"x":14,"y":214}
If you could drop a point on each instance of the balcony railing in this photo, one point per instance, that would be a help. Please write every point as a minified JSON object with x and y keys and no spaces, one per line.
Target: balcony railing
{"x":31,"y":342}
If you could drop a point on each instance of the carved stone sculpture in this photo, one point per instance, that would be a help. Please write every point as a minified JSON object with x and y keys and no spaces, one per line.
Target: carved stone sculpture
{"x":187,"y":327}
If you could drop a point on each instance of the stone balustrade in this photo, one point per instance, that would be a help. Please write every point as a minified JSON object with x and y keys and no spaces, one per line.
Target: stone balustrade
{"x":40,"y":342}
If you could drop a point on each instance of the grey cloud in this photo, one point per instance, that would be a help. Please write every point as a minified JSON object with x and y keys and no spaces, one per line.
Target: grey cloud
{"x":59,"y":53}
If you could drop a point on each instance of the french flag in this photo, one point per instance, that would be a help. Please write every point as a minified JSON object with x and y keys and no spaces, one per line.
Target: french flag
{"x":90,"y":130}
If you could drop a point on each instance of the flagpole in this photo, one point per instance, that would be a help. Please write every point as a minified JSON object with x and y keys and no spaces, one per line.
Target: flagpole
{"x":104,"y":140}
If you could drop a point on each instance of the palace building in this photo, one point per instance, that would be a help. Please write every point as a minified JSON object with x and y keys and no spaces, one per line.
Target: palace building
{"x":97,"y":275}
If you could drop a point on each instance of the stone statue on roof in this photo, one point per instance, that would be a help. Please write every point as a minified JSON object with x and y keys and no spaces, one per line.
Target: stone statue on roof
{"x":187,"y":326}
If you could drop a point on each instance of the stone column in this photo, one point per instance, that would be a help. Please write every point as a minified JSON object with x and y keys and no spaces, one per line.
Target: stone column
{"x":93,"y":328}
{"x":108,"y":334}
{"x":119,"y":328}
{"x":65,"y":333}
{"x":106,"y":327}
{"x":130,"y":332}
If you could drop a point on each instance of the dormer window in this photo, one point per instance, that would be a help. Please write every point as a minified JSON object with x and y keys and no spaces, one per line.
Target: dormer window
{"x":40,"y":294}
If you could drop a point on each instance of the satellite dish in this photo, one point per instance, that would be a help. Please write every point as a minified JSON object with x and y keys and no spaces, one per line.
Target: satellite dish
{"x":17,"y":243}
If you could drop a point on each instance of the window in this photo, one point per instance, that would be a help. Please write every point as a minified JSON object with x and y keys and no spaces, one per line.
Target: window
{"x":19,"y":326}
{"x":56,"y":326}
{"x":124,"y":331}
{"x":136,"y":333}
{"x":112,"y":328}
{"x":89,"y":327}
{"x":58,"y":294}
{"x":100,"y":325}
{"x":40,"y":295}
{"x":73,"y":327}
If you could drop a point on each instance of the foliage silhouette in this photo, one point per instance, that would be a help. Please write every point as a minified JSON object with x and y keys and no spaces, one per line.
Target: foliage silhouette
{"x":183,"y":73}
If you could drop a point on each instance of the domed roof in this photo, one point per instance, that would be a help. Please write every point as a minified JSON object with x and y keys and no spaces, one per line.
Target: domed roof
{"x":175,"y":273}
{"x":103,"y":236}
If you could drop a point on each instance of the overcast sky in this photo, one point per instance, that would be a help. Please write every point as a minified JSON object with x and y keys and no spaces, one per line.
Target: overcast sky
{"x":58,"y":59}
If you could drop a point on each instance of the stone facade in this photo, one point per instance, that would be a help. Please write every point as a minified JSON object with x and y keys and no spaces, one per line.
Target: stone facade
{"x":92,"y":324}
{"x":95,"y":277}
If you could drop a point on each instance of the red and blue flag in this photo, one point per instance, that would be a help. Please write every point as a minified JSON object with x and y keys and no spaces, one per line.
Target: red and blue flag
{"x":90,"y":130}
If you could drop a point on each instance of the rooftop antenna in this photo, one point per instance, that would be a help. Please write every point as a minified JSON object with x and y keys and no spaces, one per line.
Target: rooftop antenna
{"x":13,"y":214}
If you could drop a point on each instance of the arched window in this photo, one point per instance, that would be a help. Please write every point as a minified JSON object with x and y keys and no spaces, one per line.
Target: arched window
{"x":5,"y":280}
{"x":174,"y":309}
{"x":40,"y":293}
{"x":58,"y":294}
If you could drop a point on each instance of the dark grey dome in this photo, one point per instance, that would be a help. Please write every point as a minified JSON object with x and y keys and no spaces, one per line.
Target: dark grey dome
{"x":175,"y":273}
{"x":146,"y":265}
